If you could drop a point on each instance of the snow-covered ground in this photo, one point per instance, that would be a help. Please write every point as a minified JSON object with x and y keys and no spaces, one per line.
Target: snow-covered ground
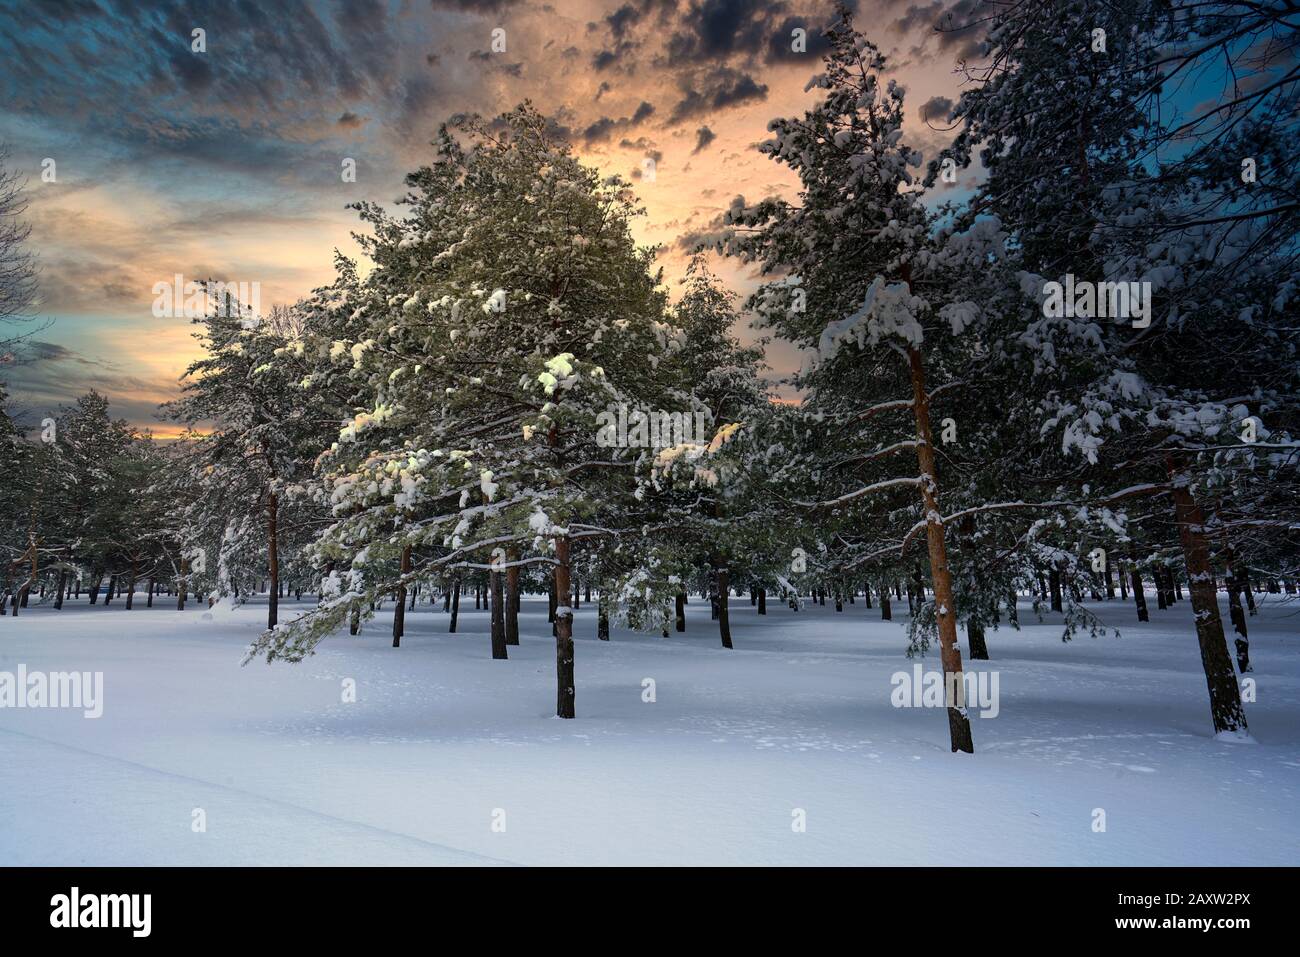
{"x":442,"y":742}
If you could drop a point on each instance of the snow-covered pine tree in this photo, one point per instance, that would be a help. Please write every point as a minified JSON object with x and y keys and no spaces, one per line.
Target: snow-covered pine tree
{"x":872,"y":288}
{"x":507,"y":310}
{"x":1108,"y":171}
{"x":255,"y":433}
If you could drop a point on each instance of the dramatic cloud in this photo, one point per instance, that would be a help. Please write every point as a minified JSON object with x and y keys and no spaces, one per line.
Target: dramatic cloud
{"x":227,"y":161}
{"x":716,"y":90}
{"x":936,"y":109}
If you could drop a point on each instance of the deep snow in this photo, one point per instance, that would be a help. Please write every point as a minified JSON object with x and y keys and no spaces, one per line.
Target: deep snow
{"x":441,"y":739}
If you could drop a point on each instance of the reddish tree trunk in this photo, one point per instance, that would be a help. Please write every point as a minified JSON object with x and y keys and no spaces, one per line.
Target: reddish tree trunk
{"x":1225,"y":698}
{"x":959,"y":730}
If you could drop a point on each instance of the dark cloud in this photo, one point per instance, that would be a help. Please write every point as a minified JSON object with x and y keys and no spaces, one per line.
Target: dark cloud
{"x":956,"y":25}
{"x":606,"y":127}
{"x":350,"y":120}
{"x":936,"y":108}
{"x":716,"y":89}
{"x":605,"y":59}
{"x":715,"y":29}
{"x":474,"y":6}
{"x":703,"y":137}
{"x":36,"y":350}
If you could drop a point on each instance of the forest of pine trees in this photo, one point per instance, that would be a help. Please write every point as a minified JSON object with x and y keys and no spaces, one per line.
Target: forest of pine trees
{"x":432,"y":429}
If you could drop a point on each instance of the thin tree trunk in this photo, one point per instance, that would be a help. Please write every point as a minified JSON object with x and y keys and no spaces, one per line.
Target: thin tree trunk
{"x":455,"y":605}
{"x":512,"y":598}
{"x":149,"y":602}
{"x":762,"y":601}
{"x":886,"y":610}
{"x":1225,"y":698}
{"x":1245,"y":587}
{"x":58,"y":595}
{"x":1139,"y":593}
{"x":564,"y":679}
{"x":399,"y":613}
{"x":724,"y":620}
{"x":979,"y":649}
{"x":681,"y":612}
{"x":1235,"y":609}
{"x":1054,"y":580}
{"x":959,"y":730}
{"x":273,"y":552}
{"x":498,"y":616}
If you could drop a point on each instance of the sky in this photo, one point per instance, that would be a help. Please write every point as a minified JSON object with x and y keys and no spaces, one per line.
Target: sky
{"x":226,"y":162}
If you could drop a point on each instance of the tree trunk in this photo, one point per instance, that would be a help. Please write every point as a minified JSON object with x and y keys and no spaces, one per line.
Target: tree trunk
{"x":183,"y":586}
{"x":681,"y":612}
{"x":886,"y":610}
{"x":498,"y":616}
{"x":724,"y":620}
{"x":512,"y":598}
{"x":1225,"y":698}
{"x":149,"y":602}
{"x":1054,"y":579}
{"x":959,"y":730}
{"x":399,"y":613}
{"x":1139,"y":593}
{"x":564,"y":679}
{"x":762,"y":601}
{"x":979,"y":649}
{"x":273,"y":553}
{"x":602,"y":616}
{"x":455,"y":605}
{"x":1123,"y":583}
{"x":1235,"y":609}
{"x":58,"y":595}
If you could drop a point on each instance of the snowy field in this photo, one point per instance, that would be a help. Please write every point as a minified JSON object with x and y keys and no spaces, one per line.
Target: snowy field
{"x":442,"y":741}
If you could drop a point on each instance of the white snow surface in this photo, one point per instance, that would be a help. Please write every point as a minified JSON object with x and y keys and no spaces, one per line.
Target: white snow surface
{"x":442,"y":739}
